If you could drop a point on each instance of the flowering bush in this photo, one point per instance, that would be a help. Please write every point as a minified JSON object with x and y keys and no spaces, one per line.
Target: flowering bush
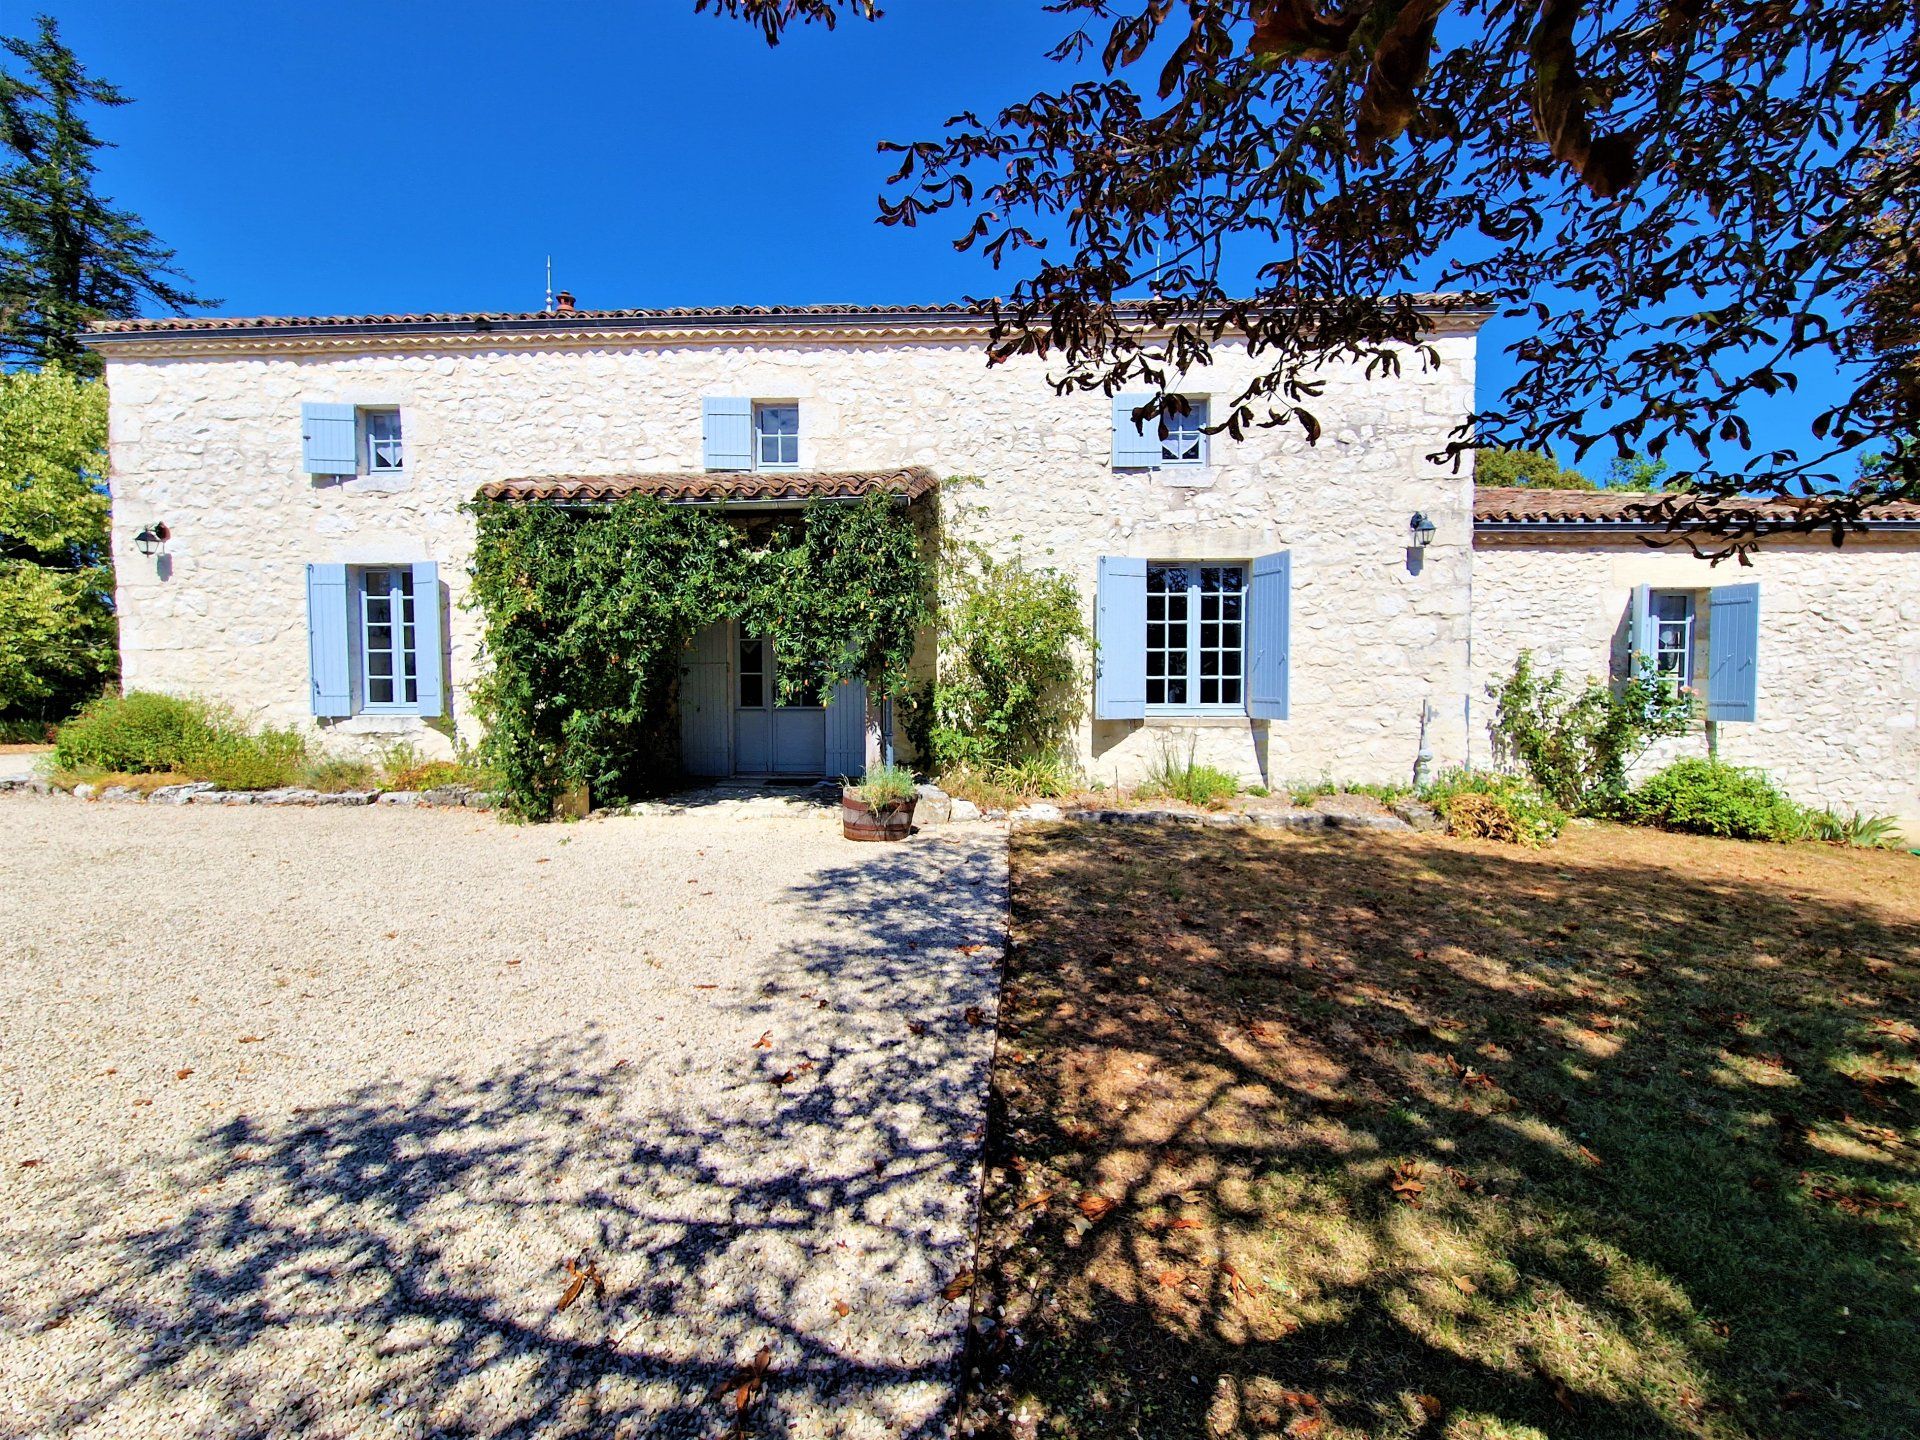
{"x":1579,"y":746}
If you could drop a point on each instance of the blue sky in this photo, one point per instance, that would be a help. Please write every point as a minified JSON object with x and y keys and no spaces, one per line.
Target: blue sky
{"x":366,"y":156}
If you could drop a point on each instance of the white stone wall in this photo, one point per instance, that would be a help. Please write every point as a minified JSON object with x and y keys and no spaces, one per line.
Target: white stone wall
{"x":1838,"y":716}
{"x":211,"y":445}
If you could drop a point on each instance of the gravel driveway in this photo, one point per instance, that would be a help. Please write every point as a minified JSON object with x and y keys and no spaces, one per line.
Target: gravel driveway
{"x":306,"y":1112}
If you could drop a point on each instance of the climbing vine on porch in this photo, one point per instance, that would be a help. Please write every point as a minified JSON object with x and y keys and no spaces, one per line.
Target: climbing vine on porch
{"x":586,"y":615}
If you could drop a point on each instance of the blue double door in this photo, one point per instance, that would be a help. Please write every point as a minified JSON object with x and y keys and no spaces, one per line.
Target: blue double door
{"x":732,"y":724}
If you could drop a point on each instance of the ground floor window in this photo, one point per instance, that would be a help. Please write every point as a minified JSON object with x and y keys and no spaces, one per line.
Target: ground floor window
{"x":1673,"y":617}
{"x":388,"y":643}
{"x":1196,"y":636}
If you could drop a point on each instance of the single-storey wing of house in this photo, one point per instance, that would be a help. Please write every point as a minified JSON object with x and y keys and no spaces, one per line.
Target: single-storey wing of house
{"x":1266,"y":603}
{"x":1806,"y":660}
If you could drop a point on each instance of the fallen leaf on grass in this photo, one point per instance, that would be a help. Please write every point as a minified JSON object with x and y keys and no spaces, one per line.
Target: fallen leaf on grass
{"x":1852,"y":1202}
{"x":28,"y":1164}
{"x":143,"y":1102}
{"x":1235,"y":1285}
{"x":1465,"y":1286}
{"x":1431,"y":1405}
{"x":1038,"y":1200}
{"x":765,"y":1042}
{"x":958,"y":1286}
{"x":786,"y":1078}
{"x":706,"y":987}
{"x":1170,"y":1279}
{"x":1901,"y":1030}
{"x":842,"y":1309}
{"x":1095,"y":1206}
{"x":971,"y":949}
{"x":182,"y":1073}
{"x":976,"y":1016}
{"x":514,"y":961}
{"x":1186,"y":1223}
{"x":1403,"y":1183}
{"x":1306,"y":1427}
{"x":917,"y":1027}
{"x":1588,"y":1156}
{"x":252,"y":1039}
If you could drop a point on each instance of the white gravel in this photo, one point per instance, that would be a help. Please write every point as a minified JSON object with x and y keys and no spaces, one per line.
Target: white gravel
{"x":320,"y":1103}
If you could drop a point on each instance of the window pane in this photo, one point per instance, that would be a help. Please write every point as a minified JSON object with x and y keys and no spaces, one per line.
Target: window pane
{"x":383,"y":440}
{"x":753,"y":693}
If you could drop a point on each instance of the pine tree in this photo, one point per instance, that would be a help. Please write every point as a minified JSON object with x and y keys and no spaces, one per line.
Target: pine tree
{"x":67,"y":256}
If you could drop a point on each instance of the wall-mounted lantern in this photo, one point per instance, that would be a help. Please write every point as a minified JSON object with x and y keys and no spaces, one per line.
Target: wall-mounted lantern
{"x":152,"y":540}
{"x":1422,"y":530}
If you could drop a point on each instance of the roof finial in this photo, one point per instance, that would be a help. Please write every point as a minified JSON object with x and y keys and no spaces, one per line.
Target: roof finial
{"x":549,"y":284}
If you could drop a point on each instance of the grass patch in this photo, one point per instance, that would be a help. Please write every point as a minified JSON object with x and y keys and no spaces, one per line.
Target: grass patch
{"x":1410,"y":1136}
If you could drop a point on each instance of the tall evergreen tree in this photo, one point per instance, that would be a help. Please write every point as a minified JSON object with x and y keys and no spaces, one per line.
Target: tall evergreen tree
{"x":67,"y":255}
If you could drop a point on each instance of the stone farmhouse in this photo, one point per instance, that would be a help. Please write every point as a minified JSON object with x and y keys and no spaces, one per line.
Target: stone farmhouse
{"x":1289,"y":611}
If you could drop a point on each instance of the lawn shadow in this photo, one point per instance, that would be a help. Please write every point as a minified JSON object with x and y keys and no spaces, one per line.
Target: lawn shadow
{"x":1383,"y":1137}
{"x":394,"y":1260}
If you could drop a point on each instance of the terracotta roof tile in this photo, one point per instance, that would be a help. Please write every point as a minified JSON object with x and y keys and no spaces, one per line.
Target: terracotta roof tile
{"x":743,"y":315}
{"x":684,"y":487}
{"x":1498,"y":505}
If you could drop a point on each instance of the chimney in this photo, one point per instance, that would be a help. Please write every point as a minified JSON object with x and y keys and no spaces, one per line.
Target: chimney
{"x":563,"y":303}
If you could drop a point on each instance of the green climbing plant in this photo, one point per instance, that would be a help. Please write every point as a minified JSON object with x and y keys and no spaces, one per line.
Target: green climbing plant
{"x":586,"y":614}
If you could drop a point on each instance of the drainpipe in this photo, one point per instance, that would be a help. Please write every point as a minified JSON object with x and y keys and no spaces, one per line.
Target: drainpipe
{"x":886,"y":730}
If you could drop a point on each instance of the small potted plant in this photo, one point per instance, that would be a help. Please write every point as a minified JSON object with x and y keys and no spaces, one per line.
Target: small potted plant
{"x":880,"y":807}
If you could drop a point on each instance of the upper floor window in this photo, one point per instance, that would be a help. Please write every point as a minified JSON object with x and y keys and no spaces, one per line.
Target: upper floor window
{"x":384,"y":451}
{"x":348,"y":440}
{"x":1185,"y":442}
{"x":776,"y":436}
{"x":1196,"y":636}
{"x":1673,"y":617}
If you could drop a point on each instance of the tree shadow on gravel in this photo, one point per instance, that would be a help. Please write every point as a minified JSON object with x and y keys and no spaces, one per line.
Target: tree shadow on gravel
{"x":393,"y":1261}
{"x":1355,"y":1137}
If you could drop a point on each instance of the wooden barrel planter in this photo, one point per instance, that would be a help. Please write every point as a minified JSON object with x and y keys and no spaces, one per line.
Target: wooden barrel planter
{"x":860,"y":821}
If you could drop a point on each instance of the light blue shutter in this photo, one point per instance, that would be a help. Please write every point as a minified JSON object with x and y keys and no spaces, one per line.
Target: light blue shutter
{"x":1134,"y":448}
{"x":847,"y":731}
{"x":328,"y":439}
{"x":428,"y":667}
{"x":1733,"y":636}
{"x":1270,"y":636}
{"x":327,"y":617}
{"x":1640,"y":631}
{"x":1120,"y":638}
{"x":726,"y":433}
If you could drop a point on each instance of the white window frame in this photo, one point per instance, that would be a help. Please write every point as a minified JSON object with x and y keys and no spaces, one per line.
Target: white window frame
{"x":1689,"y":624}
{"x":397,"y":593}
{"x":1184,"y":432}
{"x":784,"y":440}
{"x":1193,"y":607}
{"x":368,"y":442}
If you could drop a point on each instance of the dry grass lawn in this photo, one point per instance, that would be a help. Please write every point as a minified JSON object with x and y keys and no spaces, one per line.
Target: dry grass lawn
{"x":1324,"y":1137}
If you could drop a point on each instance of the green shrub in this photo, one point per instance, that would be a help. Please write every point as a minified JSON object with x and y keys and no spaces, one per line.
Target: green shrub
{"x":1179,"y":777}
{"x":429,"y":775}
{"x":139,"y":732}
{"x":1705,"y":797}
{"x":1494,"y":806}
{"x":1009,"y":683}
{"x":1579,"y":747}
{"x":883,"y":786}
{"x":335,"y":773}
{"x":147,"y":733}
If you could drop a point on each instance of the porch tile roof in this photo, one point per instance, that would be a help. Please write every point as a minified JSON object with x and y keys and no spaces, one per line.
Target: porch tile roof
{"x":683,"y":487}
{"x":1495,"y":506}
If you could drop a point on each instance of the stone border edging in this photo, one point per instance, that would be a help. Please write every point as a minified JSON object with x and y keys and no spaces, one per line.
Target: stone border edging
{"x":204,"y":792}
